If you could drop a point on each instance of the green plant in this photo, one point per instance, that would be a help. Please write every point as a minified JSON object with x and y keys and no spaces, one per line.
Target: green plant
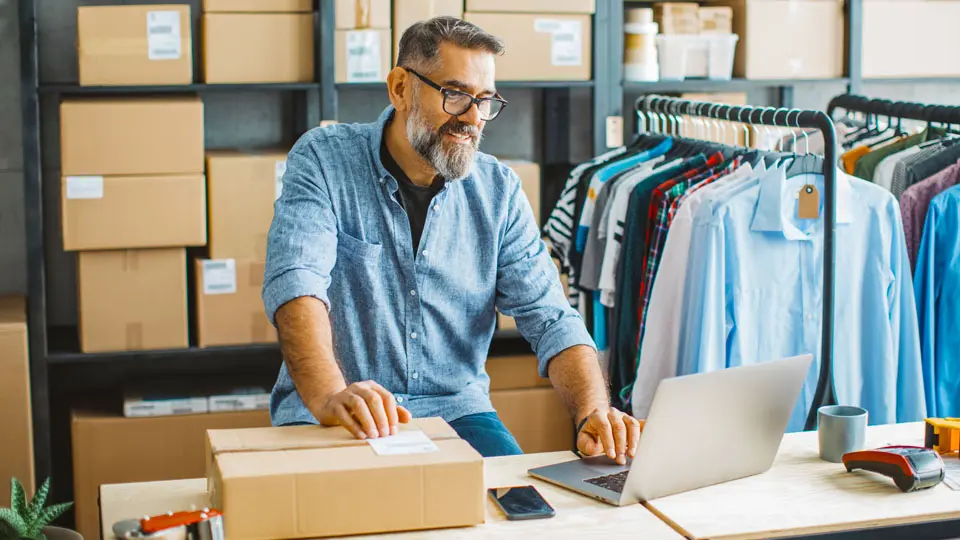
{"x":27,"y":520}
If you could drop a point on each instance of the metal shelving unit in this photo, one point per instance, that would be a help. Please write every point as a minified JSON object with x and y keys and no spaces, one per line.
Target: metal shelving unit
{"x":55,"y":360}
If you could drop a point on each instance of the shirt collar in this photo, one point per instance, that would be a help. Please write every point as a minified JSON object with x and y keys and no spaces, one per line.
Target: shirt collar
{"x":773,"y":210}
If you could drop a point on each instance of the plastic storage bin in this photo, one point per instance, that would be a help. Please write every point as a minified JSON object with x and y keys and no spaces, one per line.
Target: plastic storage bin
{"x":686,"y":56}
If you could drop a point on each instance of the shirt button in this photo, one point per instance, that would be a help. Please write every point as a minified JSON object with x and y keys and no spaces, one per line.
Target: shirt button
{"x":399,"y":399}
{"x":415,"y":375}
{"x":413,"y":292}
{"x":413,"y":335}
{"x":436,"y":207}
{"x":424,"y":253}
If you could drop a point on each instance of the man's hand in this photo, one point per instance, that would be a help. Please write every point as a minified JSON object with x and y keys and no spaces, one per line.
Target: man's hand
{"x":611,"y":432}
{"x":366,"y":409}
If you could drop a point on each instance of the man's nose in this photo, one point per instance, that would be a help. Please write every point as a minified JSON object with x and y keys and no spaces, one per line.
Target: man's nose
{"x":472,"y":116}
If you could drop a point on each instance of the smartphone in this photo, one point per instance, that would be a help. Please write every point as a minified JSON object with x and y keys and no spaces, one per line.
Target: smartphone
{"x":521,"y":502}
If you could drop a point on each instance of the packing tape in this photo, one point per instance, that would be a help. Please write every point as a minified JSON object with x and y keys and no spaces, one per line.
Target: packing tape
{"x":131,"y":260}
{"x":135,"y":336}
{"x":363,"y":13}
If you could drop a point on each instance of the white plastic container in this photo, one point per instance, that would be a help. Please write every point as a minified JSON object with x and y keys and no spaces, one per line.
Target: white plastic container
{"x":640,"y":51}
{"x":703,"y":56}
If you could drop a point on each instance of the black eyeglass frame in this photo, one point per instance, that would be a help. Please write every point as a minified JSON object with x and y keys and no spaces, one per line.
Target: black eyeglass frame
{"x":447,"y":92}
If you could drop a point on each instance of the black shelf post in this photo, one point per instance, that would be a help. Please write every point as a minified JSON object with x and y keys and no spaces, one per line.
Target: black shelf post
{"x":33,"y":206}
{"x":326,"y":40}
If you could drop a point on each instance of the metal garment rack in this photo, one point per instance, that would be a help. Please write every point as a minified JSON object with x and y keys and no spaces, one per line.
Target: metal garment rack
{"x":794,"y":119}
{"x":907,"y":110}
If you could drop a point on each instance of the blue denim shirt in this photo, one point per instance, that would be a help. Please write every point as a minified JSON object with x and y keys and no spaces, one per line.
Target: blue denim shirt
{"x":420,"y":325}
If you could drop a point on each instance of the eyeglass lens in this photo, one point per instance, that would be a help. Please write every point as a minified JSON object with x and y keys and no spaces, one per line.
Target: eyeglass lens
{"x":457,"y":103}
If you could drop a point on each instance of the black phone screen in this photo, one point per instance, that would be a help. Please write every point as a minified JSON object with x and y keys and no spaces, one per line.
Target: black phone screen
{"x":521,"y":502}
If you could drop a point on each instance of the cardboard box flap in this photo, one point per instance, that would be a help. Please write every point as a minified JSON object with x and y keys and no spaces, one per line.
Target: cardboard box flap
{"x":309,"y":437}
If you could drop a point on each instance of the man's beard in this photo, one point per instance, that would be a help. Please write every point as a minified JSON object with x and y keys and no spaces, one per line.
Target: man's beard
{"x":452,"y":161}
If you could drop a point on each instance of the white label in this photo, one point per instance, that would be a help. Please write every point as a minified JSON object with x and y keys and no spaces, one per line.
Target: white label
{"x":163,"y":35}
{"x":363,"y":56}
{"x":84,"y":187}
{"x":614,"y":131}
{"x":407,"y":442}
{"x":279,"y":168}
{"x":566,"y":41}
{"x":219,"y":276}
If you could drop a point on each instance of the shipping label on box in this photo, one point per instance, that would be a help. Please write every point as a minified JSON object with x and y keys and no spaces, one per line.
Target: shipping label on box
{"x":566,"y":39}
{"x":363,"y":56}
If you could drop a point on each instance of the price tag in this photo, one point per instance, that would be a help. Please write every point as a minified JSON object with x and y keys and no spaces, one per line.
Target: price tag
{"x":808,"y":205}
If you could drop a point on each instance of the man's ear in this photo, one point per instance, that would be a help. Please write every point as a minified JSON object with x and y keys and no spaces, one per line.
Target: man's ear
{"x":399,"y":88}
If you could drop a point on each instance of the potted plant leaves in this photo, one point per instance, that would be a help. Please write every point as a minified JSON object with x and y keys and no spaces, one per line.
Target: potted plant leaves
{"x":31,"y":521}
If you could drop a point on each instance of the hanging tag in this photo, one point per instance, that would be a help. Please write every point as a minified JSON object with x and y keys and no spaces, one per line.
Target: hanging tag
{"x":808,"y":206}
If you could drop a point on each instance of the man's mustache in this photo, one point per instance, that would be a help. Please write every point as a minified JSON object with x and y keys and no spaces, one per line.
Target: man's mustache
{"x":455,"y":127}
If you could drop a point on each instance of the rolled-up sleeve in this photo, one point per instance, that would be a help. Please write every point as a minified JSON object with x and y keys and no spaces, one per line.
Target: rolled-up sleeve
{"x":528,"y":284}
{"x":302,"y":243}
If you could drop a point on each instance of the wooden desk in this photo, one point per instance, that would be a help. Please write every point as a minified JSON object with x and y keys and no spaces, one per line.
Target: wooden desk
{"x":577,"y":517}
{"x":803,"y":495}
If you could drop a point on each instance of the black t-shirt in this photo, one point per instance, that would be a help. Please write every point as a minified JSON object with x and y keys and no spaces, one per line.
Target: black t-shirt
{"x":414,"y":199}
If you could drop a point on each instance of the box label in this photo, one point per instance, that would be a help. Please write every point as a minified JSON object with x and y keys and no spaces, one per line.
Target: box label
{"x":219,"y":276}
{"x":565,"y":41}
{"x":407,"y":442}
{"x":84,"y":187}
{"x":163,"y":35}
{"x":279,"y":168}
{"x":363,"y":57}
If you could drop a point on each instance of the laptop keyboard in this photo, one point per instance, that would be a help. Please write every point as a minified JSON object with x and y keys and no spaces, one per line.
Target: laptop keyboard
{"x":613,"y":482}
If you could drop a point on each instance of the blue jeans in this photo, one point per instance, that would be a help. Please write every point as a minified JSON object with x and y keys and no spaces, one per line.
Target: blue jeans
{"x":487,"y":434}
{"x":484,"y":431}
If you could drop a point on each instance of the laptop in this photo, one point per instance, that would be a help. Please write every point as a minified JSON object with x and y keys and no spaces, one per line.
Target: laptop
{"x":703,"y":429}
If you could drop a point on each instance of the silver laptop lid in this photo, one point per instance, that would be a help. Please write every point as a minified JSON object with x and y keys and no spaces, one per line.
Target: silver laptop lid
{"x":709,"y":428}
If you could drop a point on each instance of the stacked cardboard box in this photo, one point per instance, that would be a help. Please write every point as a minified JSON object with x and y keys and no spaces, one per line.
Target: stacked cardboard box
{"x":16,"y":420}
{"x":132,"y":198}
{"x":528,"y":404}
{"x":258,"y":41}
{"x":408,"y":12}
{"x":134,"y":45}
{"x":546,"y":40}
{"x":111,"y":449}
{"x":363,"y":41}
{"x":677,"y":17}
{"x":242,"y":188}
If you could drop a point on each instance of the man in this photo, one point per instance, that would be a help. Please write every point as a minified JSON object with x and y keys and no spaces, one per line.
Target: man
{"x":391,"y":245}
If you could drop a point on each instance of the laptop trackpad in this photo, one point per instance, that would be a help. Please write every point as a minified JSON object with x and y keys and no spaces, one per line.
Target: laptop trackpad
{"x":603,"y":465}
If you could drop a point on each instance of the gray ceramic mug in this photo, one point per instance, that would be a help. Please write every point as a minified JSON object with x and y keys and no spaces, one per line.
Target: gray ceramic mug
{"x":842,"y":429}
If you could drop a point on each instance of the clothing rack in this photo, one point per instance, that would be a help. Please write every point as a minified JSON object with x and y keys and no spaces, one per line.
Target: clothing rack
{"x":943,"y":114}
{"x":664,"y":106}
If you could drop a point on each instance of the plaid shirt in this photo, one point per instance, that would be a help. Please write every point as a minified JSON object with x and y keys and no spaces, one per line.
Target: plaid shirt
{"x":662,"y":209}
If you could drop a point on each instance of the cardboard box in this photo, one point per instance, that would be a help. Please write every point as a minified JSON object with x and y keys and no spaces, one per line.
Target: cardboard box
{"x":241,"y":190}
{"x":134,"y":45}
{"x":775,"y":38}
{"x":357,"y":14}
{"x":536,"y":417}
{"x":131,"y":136}
{"x":515,"y":372}
{"x":302,"y":482}
{"x":282,"y":51}
{"x":532,"y":6}
{"x":408,"y":12}
{"x":902,"y":38}
{"x":505,"y":322}
{"x":363,"y":56}
{"x":110,"y":449}
{"x":542,"y":47}
{"x":677,"y":17}
{"x":716,"y":20}
{"x":123,"y":212}
{"x":229,"y":306}
{"x":132,"y":300}
{"x":257,"y":6}
{"x":16,"y":418}
{"x":529,"y":173}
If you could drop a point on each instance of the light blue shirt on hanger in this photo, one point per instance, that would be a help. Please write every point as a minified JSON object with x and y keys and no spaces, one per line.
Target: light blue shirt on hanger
{"x":937,"y":284}
{"x":755,"y":293}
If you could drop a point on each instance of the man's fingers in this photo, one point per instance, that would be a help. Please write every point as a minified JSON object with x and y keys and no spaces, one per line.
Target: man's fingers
{"x":588,"y":445}
{"x":605,"y":434}
{"x":619,"y":436}
{"x":361,"y":411}
{"x":377,"y":410}
{"x":633,"y":435}
{"x":346,"y":420}
{"x":403,"y":415}
{"x":389,"y":405}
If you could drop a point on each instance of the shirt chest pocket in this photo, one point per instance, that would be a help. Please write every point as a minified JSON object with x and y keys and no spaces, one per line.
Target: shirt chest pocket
{"x":357,"y":280}
{"x":352,"y":248}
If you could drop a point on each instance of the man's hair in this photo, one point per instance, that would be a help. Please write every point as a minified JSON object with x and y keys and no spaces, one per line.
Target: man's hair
{"x":420,"y":43}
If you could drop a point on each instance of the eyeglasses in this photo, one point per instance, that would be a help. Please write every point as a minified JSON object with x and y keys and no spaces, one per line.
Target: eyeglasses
{"x":456,"y":103}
